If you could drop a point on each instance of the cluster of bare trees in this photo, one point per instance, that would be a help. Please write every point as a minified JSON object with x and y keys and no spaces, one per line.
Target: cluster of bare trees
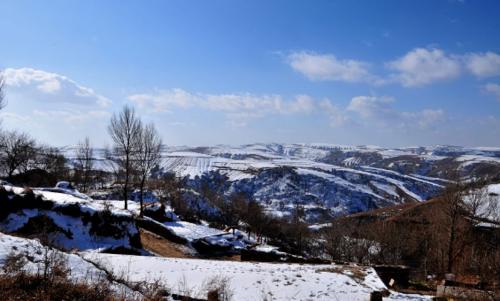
{"x":136,"y":151}
{"x":20,"y":154}
{"x":84,"y":164}
{"x":459,"y":232}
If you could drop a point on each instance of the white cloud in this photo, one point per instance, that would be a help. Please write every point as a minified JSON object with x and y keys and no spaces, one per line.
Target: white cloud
{"x":301,"y":104}
{"x":51,"y":87}
{"x":272,"y":104}
{"x":427,"y":118}
{"x":493,"y":89}
{"x":165,"y":100}
{"x":418,"y":67}
{"x":378,"y":111}
{"x":72,"y":116}
{"x":15,"y":117}
{"x":241,"y":102}
{"x":370,"y":106}
{"x":328,"y":67}
{"x":239,"y":108}
{"x":423,"y":66}
{"x":483,"y":64}
{"x":337,"y":116}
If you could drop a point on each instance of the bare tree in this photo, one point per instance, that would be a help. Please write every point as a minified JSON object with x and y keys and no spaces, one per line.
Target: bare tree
{"x":17,"y":151}
{"x":147,"y":157}
{"x":479,"y":205}
{"x":52,"y":160}
{"x":85,"y":162}
{"x":125,"y":130}
{"x":451,"y":214}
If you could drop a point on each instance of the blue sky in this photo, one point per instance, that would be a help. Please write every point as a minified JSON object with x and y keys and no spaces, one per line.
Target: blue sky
{"x":389,"y":73}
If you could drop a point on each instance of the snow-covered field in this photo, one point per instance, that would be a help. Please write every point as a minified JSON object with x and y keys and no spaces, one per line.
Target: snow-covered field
{"x":192,"y":231}
{"x":80,"y":270}
{"x":332,"y":185}
{"x":247,"y":281}
{"x":78,"y":231}
{"x":254,"y":281}
{"x":485,"y":204}
{"x":336,"y":179}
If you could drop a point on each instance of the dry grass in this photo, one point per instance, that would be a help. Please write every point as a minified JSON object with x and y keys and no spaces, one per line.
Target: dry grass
{"x":355,"y":272}
{"x":33,"y":287}
{"x":52,"y":281}
{"x":162,"y":246}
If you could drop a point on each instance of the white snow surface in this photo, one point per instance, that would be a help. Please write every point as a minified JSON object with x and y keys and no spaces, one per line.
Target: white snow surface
{"x":474,"y":159}
{"x":81,"y":238}
{"x":64,"y":199}
{"x":488,"y":208}
{"x":80,"y":269}
{"x":191,"y":231}
{"x":251,"y":281}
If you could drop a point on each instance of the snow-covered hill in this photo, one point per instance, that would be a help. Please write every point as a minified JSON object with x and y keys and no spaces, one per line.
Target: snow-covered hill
{"x":330,"y":179}
{"x":192,"y":277}
{"x":67,"y":221}
{"x":253,"y":280}
{"x":80,"y":270}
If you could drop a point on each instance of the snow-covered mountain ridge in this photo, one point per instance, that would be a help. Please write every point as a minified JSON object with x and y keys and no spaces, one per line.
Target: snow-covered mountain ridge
{"x":330,"y":179}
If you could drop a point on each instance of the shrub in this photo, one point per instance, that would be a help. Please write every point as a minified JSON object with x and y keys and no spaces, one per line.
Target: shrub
{"x":218,"y":288}
{"x":52,"y":281}
{"x":41,"y":226}
{"x":14,"y":263}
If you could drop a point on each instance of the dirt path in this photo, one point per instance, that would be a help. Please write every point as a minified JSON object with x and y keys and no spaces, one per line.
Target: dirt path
{"x":164,"y":247}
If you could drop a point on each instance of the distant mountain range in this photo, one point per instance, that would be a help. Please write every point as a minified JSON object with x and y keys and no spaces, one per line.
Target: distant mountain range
{"x":330,"y":180}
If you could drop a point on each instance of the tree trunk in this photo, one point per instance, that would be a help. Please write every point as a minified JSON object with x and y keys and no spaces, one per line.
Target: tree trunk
{"x":450,"y":247}
{"x":141,"y":197}
{"x":125,"y":186}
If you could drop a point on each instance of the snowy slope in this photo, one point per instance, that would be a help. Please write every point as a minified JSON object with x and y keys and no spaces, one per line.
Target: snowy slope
{"x":248,"y":281}
{"x":254,"y":281}
{"x":330,"y":179}
{"x":485,"y":203}
{"x":77,"y":219}
{"x":281,"y":175}
{"x":80,"y":269}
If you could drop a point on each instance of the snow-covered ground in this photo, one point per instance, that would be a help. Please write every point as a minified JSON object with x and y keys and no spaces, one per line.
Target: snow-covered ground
{"x":254,"y":281}
{"x":80,"y":270}
{"x":338,"y":179}
{"x":64,"y":199}
{"x":474,"y":159}
{"x":191,"y":231}
{"x":292,"y":175}
{"x":248,"y":281}
{"x":485,"y":203}
{"x":78,"y":233}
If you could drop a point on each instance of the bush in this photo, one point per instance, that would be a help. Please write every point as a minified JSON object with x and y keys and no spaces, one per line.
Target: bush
{"x":218,"y":288}
{"x":14,"y":263}
{"x":42,"y":226}
{"x":50,"y":283}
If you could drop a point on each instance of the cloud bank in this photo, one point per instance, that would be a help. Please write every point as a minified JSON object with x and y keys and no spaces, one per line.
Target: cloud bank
{"x":240,"y":109}
{"x":52,"y":87}
{"x":418,"y":67}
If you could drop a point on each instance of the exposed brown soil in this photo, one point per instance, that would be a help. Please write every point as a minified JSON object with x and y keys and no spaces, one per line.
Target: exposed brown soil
{"x":235,"y":257}
{"x":166,"y":248}
{"x":163,"y":247}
